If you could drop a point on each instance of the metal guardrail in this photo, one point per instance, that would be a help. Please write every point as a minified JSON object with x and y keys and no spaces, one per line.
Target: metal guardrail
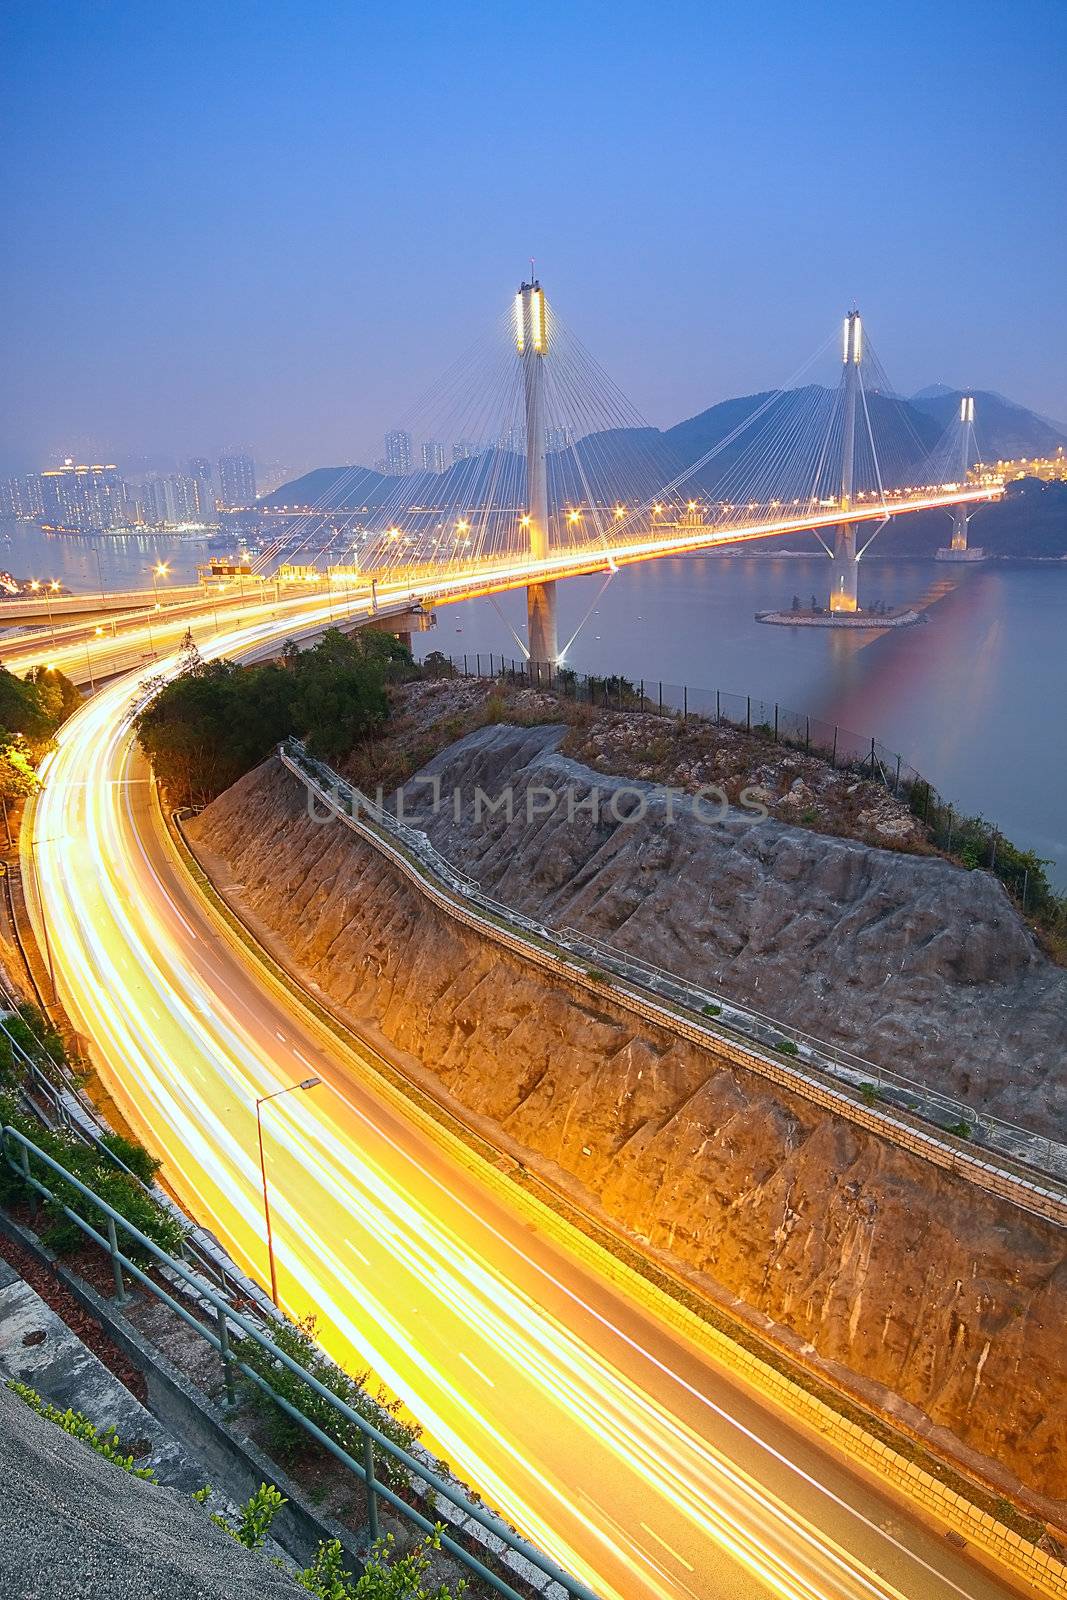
{"x":1037,"y":1152}
{"x":19,"y":1151}
{"x":63,"y":1105}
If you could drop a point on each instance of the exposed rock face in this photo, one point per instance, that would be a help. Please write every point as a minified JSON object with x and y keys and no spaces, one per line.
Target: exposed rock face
{"x":907,"y":960}
{"x":903,"y":1278}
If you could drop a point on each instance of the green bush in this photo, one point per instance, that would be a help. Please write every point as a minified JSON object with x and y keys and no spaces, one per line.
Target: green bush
{"x":786,"y":1047}
{"x":390,"y":1577}
{"x":287,"y":1437}
{"x":711,"y":1010}
{"x":91,"y":1167}
{"x":77,"y":1424}
{"x":26,"y":1032}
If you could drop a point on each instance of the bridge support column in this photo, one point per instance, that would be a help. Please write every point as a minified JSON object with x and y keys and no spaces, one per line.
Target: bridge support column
{"x":959,"y":549}
{"x":844,"y":583}
{"x":531,"y":340}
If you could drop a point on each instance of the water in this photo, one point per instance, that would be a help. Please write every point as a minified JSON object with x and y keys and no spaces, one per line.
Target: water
{"x":84,"y":563}
{"x":973,"y":697}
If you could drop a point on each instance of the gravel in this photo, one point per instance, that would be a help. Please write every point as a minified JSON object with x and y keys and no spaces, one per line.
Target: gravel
{"x":73,"y":1525}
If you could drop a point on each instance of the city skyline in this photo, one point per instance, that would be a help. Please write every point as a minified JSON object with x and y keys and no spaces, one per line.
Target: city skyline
{"x":272,"y":319}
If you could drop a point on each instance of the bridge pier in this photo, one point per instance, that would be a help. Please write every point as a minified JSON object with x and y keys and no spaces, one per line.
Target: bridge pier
{"x":531,"y":340}
{"x":959,"y":550}
{"x":844,"y":583}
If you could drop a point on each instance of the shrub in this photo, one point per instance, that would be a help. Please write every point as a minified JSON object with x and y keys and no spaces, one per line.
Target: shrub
{"x":389,"y":1577}
{"x":123,"y":1192}
{"x":77,"y":1424}
{"x":786,"y":1047}
{"x":711,"y":1009}
{"x":287,"y":1437}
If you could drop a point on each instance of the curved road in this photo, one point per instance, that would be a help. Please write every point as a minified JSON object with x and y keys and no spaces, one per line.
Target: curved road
{"x":611,"y":1441}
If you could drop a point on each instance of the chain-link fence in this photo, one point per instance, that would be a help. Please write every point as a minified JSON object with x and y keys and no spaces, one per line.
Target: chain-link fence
{"x":970,"y":841}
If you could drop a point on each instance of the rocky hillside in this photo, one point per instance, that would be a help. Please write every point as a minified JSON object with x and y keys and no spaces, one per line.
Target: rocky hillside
{"x":912,"y":1287}
{"x":907,"y":960}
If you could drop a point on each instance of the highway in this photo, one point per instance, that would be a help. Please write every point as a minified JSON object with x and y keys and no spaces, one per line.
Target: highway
{"x":618,"y":1446}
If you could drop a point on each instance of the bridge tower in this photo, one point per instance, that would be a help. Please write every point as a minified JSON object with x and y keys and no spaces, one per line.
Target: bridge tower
{"x":959,"y":549}
{"x":531,"y":340}
{"x":844,"y":583}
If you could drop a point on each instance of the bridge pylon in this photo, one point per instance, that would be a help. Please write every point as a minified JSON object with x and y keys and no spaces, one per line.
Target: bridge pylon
{"x":531,"y":341}
{"x":844,"y":582}
{"x":959,"y":550}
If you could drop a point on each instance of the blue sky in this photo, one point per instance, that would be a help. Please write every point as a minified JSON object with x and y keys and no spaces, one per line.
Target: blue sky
{"x":278,"y":222}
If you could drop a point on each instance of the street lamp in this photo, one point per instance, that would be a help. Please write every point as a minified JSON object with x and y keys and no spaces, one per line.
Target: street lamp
{"x":50,"y":590}
{"x":307,"y":1083}
{"x":160,"y":570}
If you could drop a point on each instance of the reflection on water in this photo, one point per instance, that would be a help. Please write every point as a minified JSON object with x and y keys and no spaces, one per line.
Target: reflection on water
{"x":973,"y":696}
{"x":84,"y":563}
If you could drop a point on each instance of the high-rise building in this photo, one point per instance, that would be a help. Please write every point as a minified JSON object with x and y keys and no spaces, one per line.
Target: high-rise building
{"x":464,"y":449}
{"x":558,"y":439}
{"x":398,"y":453}
{"x":199,"y":469}
{"x":21,"y":497}
{"x":237,"y":481}
{"x":170,"y":500}
{"x":89,"y":497}
{"x":433,"y":456}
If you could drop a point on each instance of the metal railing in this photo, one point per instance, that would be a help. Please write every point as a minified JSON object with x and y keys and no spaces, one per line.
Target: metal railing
{"x":56,"y":1098}
{"x":19,"y":1152}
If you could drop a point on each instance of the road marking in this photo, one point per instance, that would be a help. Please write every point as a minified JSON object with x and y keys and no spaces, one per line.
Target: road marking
{"x":475,"y":1369}
{"x":356,"y":1252}
{"x":279,"y":1035}
{"x":671,"y":1552}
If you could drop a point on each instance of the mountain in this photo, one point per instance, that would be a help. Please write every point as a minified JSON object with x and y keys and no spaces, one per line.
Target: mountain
{"x":635,"y":464}
{"x":1004,"y":431}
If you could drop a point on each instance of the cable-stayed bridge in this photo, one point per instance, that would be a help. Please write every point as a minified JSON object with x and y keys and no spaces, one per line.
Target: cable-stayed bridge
{"x":569,"y":480}
{"x":555,"y":475}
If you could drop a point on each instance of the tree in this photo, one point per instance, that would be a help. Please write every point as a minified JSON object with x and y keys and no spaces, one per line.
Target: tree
{"x":216,"y":720}
{"x":17,"y":777}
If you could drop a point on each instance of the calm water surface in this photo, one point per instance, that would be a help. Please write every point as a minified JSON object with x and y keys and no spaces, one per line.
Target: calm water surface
{"x":974,"y":698}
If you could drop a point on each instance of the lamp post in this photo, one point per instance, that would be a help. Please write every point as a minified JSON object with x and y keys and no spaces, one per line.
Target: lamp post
{"x":160,"y":570}
{"x":306,"y":1083}
{"x":51,"y":588}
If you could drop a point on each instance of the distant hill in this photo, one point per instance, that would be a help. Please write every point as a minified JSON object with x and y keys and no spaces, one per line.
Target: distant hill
{"x":644,"y":460}
{"x":1030,"y":520}
{"x":1004,"y":431}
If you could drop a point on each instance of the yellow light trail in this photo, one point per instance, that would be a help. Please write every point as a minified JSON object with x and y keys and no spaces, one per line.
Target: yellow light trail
{"x":622,"y":1449}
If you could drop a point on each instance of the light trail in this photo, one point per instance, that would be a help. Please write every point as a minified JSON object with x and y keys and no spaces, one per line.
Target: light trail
{"x":619,"y":1447}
